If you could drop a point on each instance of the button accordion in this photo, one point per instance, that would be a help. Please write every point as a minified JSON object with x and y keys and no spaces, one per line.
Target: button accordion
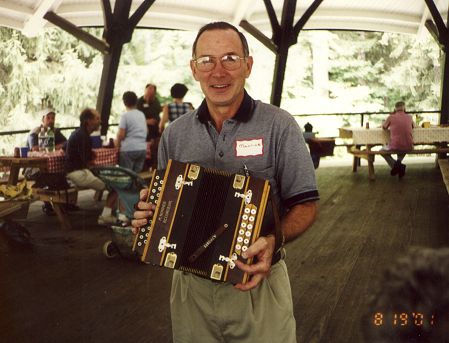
{"x":204,"y":220}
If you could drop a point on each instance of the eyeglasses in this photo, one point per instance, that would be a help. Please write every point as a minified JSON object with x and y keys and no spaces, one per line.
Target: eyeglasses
{"x":208,"y":63}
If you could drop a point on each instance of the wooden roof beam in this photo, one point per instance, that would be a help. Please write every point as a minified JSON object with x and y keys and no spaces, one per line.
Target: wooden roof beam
{"x":74,"y":30}
{"x":36,"y":22}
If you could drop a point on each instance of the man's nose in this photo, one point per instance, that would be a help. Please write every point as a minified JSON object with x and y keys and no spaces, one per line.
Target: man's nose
{"x":218,"y":68}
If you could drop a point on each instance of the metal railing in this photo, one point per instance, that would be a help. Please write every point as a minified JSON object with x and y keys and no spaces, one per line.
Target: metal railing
{"x":17,"y":132}
{"x":362,"y":114}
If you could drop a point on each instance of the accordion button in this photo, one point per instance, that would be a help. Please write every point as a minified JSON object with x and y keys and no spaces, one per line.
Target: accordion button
{"x":247,"y":233}
{"x":243,"y":225}
{"x":245,"y":217}
{"x":244,"y":248}
{"x":238,"y":247}
{"x":247,"y":210}
{"x":241,"y":232}
{"x":250,"y":227}
{"x":246,"y":241}
{"x":253,"y":211}
{"x":240,"y":239}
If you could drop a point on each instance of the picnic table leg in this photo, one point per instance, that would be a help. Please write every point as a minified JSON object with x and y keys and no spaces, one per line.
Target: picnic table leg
{"x":355,"y":163}
{"x":371,"y":174}
{"x":13,"y":174}
{"x":65,"y":224}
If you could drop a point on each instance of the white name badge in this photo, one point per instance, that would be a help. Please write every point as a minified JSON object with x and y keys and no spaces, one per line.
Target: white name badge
{"x":253,"y":147}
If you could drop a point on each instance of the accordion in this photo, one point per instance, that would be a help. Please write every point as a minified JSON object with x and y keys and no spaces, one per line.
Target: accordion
{"x":204,"y":220}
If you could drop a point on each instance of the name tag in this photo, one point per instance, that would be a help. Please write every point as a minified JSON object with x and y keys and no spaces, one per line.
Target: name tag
{"x":253,"y":147}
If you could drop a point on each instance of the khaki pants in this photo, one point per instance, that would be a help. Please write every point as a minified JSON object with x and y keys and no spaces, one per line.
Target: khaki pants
{"x":84,"y":178}
{"x":206,"y":311}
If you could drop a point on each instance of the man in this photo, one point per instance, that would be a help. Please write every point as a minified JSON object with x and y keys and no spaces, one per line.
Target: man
{"x":231,"y":131}
{"x":48,"y":122}
{"x":79,"y":157}
{"x":151,"y":107}
{"x":401,"y":127}
{"x":131,"y":136}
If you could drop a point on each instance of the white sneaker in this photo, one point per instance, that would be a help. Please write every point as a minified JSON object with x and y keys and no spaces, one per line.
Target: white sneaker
{"x":123,"y":219}
{"x":106,"y":220}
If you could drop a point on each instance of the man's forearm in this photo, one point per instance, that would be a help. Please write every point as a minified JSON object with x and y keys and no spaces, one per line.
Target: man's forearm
{"x":298,"y":219}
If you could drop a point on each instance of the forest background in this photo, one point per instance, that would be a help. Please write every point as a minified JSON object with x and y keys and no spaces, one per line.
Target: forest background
{"x":327,"y":72}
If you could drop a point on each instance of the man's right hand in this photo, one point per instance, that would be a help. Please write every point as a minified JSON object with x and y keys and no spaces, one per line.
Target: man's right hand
{"x":144,"y":211}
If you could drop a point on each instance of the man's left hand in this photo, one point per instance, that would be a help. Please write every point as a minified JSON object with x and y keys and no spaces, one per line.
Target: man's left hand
{"x":262,"y":249}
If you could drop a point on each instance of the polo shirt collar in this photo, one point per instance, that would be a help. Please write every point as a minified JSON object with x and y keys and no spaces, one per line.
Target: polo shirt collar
{"x":244,"y":113}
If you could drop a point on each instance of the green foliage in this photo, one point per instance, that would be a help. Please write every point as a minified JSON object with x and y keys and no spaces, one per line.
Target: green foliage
{"x":370,"y":71}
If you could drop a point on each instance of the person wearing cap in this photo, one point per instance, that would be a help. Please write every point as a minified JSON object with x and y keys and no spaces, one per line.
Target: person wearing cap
{"x":48,"y":122}
{"x":177,"y":108}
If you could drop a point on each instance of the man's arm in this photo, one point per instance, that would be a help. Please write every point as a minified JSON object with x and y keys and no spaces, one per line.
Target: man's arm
{"x":296,"y":221}
{"x":121,"y":134}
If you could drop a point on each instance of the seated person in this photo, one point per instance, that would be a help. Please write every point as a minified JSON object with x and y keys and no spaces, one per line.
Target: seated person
{"x":412,"y":301}
{"x":79,"y":157}
{"x":308,"y":134}
{"x":401,"y":127}
{"x":48,"y":122}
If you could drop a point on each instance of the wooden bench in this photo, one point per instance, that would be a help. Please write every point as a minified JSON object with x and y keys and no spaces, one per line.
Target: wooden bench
{"x":370,"y":154}
{"x":58,"y":199}
{"x":444,"y":168}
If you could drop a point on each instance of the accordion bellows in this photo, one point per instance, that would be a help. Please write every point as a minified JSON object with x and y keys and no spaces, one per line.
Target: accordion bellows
{"x":204,"y":220}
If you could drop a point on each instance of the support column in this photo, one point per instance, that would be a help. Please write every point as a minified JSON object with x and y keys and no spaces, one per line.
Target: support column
{"x":284,"y":41}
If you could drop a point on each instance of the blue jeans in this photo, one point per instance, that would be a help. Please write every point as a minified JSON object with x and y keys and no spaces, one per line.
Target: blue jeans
{"x":390,"y":160}
{"x":132,"y":160}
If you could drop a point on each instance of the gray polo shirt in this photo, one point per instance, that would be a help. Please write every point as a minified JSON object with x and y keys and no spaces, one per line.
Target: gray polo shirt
{"x":264,"y":138}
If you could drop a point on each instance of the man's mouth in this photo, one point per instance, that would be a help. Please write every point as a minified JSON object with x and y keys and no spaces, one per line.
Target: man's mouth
{"x":220,"y":86}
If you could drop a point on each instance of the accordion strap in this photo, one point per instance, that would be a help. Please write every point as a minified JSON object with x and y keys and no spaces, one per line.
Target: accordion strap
{"x":279,"y":238}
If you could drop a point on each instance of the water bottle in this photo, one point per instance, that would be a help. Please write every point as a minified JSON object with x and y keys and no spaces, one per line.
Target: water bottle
{"x":50,"y":140}
{"x":41,"y":139}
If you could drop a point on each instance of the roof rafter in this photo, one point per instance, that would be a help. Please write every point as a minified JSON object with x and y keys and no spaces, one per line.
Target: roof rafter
{"x":242,"y":10}
{"x":36,"y":22}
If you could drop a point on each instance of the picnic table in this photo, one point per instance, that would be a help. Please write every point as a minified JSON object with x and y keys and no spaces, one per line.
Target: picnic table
{"x":435,"y":136}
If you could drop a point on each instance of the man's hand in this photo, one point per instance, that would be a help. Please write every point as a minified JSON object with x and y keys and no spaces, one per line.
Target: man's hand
{"x":262,"y":248}
{"x":143,"y":211}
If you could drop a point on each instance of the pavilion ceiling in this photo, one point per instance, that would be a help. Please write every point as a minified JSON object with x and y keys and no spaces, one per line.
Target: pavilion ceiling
{"x":401,"y":16}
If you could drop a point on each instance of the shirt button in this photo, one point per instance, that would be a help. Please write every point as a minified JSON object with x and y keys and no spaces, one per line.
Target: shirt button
{"x":221,"y":154}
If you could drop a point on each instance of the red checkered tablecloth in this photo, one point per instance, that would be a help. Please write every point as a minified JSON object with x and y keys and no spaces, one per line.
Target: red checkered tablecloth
{"x":105,"y":156}
{"x":55,"y":160}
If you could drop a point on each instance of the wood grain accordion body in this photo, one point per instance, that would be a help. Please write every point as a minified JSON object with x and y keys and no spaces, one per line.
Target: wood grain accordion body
{"x":204,"y":220}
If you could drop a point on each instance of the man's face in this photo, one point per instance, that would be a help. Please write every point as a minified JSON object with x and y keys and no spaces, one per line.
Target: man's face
{"x":221,"y":87}
{"x":95,"y":122}
{"x":149,"y":93}
{"x":49,"y":120}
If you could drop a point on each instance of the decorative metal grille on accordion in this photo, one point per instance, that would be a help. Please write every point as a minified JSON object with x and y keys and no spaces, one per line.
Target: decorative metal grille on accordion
{"x":203,"y":221}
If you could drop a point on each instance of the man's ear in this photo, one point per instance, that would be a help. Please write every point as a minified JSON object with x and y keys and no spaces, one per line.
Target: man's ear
{"x":249,"y":66}
{"x":194,"y":72}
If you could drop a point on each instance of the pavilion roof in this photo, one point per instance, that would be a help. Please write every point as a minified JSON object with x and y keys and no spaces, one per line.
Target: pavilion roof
{"x":401,"y":16}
